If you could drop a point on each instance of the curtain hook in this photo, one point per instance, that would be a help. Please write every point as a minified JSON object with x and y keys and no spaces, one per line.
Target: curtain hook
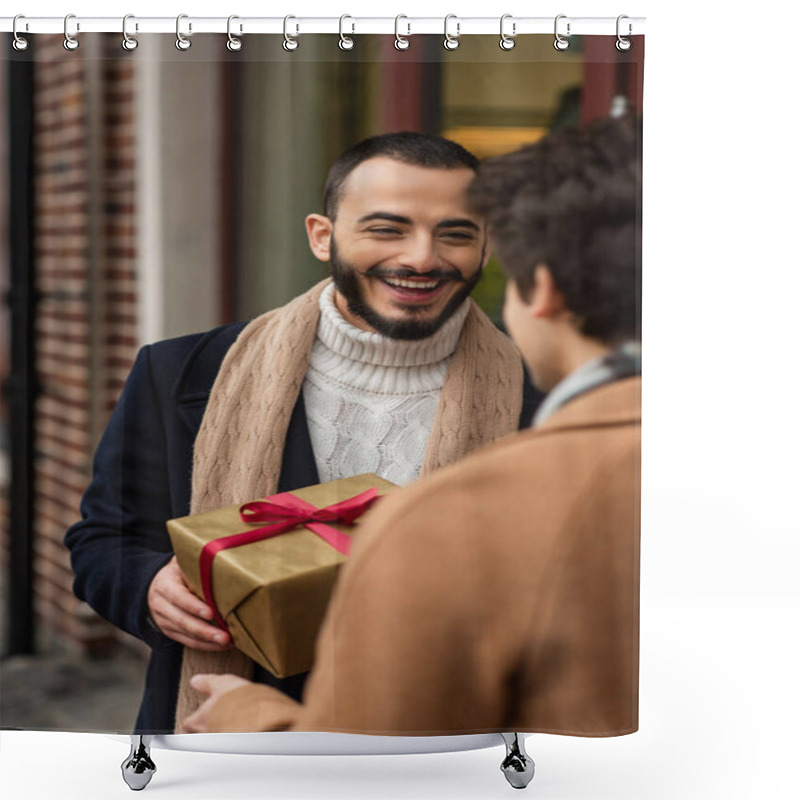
{"x":346,"y":42}
{"x":507,"y":42}
{"x":20,"y":43}
{"x":623,"y":44}
{"x":400,"y":42}
{"x":182,"y":42}
{"x":234,"y":44}
{"x":289,"y":42}
{"x":70,"y":42}
{"x":451,"y":42}
{"x":561,"y":43}
{"x":128,"y":42}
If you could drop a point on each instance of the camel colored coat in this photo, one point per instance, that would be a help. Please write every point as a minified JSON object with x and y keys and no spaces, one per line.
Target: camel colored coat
{"x":500,"y":594}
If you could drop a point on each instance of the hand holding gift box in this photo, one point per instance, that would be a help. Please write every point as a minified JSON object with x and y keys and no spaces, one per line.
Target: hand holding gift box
{"x":270,"y":585}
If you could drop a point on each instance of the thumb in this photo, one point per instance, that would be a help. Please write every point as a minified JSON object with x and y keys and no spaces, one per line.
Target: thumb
{"x":201,"y":683}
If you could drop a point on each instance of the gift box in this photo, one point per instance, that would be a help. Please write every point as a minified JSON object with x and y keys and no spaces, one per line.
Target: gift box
{"x":272,"y":594}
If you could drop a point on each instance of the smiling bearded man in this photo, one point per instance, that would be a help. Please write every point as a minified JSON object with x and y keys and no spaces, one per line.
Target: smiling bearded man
{"x":427,"y":251}
{"x":389,"y":369}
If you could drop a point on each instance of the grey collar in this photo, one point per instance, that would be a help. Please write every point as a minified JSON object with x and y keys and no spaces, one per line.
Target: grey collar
{"x":624,"y":361}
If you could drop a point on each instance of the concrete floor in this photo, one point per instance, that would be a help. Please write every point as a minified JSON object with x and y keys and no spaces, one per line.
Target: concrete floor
{"x":57,"y":690}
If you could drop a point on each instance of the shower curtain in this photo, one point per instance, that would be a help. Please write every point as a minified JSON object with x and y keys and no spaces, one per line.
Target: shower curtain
{"x":161,"y":192}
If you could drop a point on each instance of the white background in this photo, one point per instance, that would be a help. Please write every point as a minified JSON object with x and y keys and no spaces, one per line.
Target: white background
{"x":719,"y":694}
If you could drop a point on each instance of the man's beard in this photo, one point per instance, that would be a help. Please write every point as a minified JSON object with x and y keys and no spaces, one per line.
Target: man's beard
{"x":346,"y":281}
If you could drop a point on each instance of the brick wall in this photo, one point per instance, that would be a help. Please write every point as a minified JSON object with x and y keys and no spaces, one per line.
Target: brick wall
{"x":85,"y":272}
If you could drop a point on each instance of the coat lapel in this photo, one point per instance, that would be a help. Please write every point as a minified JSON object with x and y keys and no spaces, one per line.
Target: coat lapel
{"x":192,"y":390}
{"x":194,"y":383}
{"x":191,"y":412}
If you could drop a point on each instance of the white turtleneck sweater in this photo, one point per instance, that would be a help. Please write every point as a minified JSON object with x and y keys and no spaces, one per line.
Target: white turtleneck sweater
{"x":370,"y":400}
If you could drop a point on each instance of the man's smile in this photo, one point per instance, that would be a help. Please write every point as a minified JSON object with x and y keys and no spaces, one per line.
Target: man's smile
{"x":414,"y":291}
{"x":410,"y":288}
{"x":406,"y":283}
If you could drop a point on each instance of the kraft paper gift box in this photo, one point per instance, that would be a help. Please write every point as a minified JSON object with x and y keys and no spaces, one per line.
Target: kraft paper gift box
{"x":272,"y":594}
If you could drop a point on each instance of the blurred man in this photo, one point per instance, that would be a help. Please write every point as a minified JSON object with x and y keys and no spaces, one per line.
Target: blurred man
{"x":388,"y":369}
{"x":501,"y":594}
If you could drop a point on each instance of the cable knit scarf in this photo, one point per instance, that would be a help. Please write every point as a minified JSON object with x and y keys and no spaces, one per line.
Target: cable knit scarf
{"x":239,"y":447}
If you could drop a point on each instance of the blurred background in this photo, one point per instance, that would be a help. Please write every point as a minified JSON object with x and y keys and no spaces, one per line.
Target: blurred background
{"x":156,"y":193}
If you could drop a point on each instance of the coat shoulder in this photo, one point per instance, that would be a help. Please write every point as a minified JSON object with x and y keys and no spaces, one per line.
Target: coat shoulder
{"x":523,"y":475}
{"x":189,"y":364}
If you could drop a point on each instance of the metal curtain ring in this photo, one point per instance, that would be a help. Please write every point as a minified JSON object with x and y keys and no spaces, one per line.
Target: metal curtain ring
{"x":400,"y":42}
{"x":560,"y":42}
{"x":234,"y":44}
{"x":346,"y":42}
{"x":128,"y":42}
{"x":20,"y":43}
{"x":289,"y":42}
{"x":451,"y":42}
{"x":507,"y":42}
{"x":623,"y":44}
{"x":181,"y":42}
{"x":70,"y":42}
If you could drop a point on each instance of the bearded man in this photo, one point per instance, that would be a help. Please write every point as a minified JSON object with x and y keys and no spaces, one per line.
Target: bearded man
{"x":388,"y":368}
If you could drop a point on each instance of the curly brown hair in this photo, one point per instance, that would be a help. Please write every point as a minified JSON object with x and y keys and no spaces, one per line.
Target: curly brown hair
{"x":572,"y":201}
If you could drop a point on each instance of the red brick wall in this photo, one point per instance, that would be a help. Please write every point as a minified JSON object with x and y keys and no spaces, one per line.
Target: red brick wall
{"x":85,"y":271}
{"x":119,"y":324}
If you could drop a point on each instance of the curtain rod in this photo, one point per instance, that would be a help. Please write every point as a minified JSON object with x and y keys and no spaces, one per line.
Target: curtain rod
{"x":298,"y":25}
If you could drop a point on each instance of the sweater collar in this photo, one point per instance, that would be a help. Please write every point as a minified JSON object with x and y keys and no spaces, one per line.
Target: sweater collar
{"x":368,"y":347}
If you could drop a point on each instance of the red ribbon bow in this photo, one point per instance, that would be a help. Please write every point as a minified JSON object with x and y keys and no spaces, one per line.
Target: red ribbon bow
{"x":285,"y":511}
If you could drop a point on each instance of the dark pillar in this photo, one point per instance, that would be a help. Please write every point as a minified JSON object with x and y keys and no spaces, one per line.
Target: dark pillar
{"x":411,"y":86}
{"x":609,"y":73}
{"x":21,"y":386}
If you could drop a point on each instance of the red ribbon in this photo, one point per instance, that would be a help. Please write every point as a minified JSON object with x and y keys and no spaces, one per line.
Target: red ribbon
{"x":285,"y":511}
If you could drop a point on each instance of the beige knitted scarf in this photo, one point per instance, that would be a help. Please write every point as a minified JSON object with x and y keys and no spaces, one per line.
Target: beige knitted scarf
{"x":239,"y":447}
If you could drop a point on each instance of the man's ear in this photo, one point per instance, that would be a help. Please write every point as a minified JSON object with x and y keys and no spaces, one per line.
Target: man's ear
{"x":319,"y":229}
{"x":546,"y":299}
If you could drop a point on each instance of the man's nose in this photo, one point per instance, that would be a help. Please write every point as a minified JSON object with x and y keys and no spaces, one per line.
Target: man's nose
{"x":420,"y":253}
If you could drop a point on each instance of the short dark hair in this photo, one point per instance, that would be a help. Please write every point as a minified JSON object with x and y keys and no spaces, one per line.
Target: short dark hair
{"x":572,"y":201}
{"x":418,"y":149}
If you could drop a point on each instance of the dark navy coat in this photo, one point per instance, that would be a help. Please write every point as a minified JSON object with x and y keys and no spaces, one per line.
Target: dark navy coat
{"x":142,"y":477}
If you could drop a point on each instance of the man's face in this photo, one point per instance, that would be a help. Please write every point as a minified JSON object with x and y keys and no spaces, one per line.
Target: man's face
{"x":404,"y":250}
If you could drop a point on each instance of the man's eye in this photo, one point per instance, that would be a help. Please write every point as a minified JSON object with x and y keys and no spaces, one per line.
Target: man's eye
{"x":385,"y":231}
{"x":459,"y":236}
